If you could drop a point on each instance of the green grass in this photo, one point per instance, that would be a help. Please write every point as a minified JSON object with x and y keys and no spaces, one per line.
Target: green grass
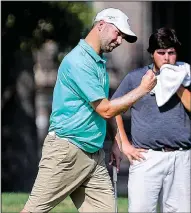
{"x":14,"y":202}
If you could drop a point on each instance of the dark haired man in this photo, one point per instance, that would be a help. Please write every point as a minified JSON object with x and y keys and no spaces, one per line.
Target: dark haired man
{"x":159,"y":151}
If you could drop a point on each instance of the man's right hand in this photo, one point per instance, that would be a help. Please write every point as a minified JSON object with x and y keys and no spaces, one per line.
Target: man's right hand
{"x":148,"y":81}
{"x":132,"y":153}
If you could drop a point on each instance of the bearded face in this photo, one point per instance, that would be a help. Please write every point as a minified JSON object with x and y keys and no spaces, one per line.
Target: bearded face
{"x":110,"y":38}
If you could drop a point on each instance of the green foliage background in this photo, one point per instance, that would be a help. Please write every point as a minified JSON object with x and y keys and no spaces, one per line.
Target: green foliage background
{"x":26,"y":25}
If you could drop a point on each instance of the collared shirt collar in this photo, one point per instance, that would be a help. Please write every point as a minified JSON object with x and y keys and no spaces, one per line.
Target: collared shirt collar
{"x":91,"y":51}
{"x":150,"y":66}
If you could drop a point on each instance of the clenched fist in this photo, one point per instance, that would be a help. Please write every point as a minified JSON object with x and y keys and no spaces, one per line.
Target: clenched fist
{"x":148,"y":81}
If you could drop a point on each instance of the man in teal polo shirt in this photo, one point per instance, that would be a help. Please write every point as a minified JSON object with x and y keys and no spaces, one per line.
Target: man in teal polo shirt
{"x":82,"y":79}
{"x":72,"y":160}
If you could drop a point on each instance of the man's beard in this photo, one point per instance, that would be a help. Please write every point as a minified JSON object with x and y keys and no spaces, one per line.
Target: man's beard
{"x":108,"y":48}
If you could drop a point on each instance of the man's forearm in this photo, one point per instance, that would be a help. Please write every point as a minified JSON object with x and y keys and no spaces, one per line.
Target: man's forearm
{"x":122,"y":104}
{"x":108,"y":109}
{"x":112,"y":128}
{"x":185,"y":97}
{"x":121,"y":130}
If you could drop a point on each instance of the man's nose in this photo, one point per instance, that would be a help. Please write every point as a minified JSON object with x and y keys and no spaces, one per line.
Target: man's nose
{"x":166,"y":56}
{"x":119,"y":40}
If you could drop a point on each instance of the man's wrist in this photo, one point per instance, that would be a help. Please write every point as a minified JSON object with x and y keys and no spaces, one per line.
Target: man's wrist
{"x":142,"y":90}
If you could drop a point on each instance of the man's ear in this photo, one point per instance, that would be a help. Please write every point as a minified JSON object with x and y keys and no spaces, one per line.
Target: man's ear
{"x":152,"y":55}
{"x":100,"y":25}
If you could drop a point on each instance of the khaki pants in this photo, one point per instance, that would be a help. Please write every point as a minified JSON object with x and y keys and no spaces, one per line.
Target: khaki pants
{"x":65,"y":170}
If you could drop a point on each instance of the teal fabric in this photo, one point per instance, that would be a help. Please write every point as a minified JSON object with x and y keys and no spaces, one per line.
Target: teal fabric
{"x":82,"y":78}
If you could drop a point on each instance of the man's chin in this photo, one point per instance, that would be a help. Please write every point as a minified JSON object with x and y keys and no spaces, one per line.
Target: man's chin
{"x":110,"y":49}
{"x":107,"y":51}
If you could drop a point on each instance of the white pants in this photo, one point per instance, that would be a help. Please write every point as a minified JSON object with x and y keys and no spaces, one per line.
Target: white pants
{"x":163,"y":177}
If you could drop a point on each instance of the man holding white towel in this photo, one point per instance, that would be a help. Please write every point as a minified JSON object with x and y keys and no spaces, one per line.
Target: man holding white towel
{"x":160,"y":146}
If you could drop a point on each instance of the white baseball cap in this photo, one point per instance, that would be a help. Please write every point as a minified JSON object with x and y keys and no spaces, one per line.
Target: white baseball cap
{"x":119,"y":19}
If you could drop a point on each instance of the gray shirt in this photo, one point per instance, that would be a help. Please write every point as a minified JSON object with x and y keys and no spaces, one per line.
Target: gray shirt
{"x":152,"y":126}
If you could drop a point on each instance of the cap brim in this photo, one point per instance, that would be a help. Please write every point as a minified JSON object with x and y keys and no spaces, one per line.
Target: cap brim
{"x":129,"y":35}
{"x":130,"y":38}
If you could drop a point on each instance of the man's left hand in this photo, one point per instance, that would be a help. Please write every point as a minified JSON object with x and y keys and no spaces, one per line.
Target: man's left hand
{"x":116,"y":155}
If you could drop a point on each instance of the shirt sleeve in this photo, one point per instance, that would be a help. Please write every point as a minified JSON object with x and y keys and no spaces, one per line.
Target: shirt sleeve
{"x":124,"y":87}
{"x":84,"y":80}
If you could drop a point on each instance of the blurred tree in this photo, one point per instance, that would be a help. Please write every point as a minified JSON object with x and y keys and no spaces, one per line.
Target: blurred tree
{"x":25,"y":27}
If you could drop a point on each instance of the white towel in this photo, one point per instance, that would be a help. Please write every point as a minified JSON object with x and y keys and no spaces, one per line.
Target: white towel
{"x":169,"y":80}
